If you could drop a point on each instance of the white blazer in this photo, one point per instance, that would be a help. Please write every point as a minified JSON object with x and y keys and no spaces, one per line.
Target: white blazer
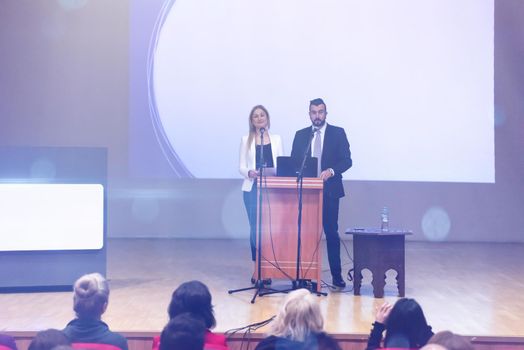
{"x":248,"y":162}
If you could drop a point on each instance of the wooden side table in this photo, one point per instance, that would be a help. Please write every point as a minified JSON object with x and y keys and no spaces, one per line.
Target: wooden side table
{"x":378,"y":251}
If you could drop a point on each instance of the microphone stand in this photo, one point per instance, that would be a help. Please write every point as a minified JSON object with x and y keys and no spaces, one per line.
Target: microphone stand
{"x":301,"y":282}
{"x":260,"y":283}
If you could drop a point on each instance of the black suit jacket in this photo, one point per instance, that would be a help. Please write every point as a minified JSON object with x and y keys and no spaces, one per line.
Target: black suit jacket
{"x":335,"y":155}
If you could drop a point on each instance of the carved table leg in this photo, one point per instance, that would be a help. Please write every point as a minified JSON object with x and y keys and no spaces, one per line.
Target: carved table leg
{"x":401,"y":282}
{"x":378,"y":282}
{"x":357,"y":282}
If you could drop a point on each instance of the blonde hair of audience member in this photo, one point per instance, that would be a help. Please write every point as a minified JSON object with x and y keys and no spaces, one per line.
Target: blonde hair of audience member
{"x":451,"y":341}
{"x":91,"y":295}
{"x":433,"y":347}
{"x":298,"y":317}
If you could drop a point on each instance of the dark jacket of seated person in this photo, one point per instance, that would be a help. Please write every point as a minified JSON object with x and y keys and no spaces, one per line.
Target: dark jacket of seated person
{"x":318,"y":341}
{"x":93,"y":331}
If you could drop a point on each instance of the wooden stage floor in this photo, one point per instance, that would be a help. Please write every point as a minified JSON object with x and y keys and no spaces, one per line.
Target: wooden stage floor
{"x":472,"y":289}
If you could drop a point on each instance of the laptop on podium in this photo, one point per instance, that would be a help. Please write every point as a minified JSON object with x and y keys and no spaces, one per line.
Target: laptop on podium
{"x":287,"y":166}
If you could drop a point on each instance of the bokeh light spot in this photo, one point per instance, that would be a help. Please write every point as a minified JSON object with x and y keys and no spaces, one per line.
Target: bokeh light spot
{"x":43,"y":169}
{"x":145,"y":209}
{"x":234,"y":217}
{"x":72,"y":4}
{"x":436,"y":224}
{"x":500,"y":116}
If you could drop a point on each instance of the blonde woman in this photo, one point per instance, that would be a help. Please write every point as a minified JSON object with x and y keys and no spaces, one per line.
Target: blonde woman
{"x":90,"y":299}
{"x":298,"y":325}
{"x":259,"y":141}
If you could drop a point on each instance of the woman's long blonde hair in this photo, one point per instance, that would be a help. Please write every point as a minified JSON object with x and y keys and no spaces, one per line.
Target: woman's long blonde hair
{"x":299,"y":316}
{"x":252,"y":129}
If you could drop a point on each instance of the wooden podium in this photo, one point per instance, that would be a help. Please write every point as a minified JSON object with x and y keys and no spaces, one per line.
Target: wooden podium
{"x":280,"y":228}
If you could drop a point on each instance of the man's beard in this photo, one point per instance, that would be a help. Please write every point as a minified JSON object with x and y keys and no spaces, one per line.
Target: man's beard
{"x":319,"y":122}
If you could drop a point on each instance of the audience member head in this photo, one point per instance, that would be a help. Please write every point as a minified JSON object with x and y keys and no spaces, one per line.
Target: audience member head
{"x":49,"y":339}
{"x":406,"y":323}
{"x":451,"y":341}
{"x":193,"y":297}
{"x":8,"y":341}
{"x":298,"y":317}
{"x":183,"y":332}
{"x":91,"y":294}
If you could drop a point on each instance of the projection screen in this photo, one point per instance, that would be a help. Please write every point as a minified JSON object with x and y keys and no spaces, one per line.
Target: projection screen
{"x":410,"y":81}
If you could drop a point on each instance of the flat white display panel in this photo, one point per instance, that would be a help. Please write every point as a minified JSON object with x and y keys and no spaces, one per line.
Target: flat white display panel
{"x":410,"y":81}
{"x":35,"y":217}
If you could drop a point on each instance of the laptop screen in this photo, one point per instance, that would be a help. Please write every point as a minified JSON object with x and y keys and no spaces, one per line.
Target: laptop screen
{"x":287,"y":166}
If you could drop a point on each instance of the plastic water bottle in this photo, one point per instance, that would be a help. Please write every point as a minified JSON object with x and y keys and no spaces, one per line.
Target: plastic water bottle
{"x":385,"y":219}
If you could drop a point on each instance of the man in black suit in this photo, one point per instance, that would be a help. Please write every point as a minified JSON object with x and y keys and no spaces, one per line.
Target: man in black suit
{"x":331,"y":145}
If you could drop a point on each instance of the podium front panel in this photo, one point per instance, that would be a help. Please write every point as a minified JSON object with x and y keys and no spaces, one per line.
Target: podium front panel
{"x":280,"y":206}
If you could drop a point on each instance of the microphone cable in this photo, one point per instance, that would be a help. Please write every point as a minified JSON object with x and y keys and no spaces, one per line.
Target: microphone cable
{"x":248,"y":330}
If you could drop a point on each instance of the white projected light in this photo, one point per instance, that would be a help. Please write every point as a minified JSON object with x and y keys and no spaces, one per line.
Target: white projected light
{"x":51,"y":217}
{"x":410,"y":81}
